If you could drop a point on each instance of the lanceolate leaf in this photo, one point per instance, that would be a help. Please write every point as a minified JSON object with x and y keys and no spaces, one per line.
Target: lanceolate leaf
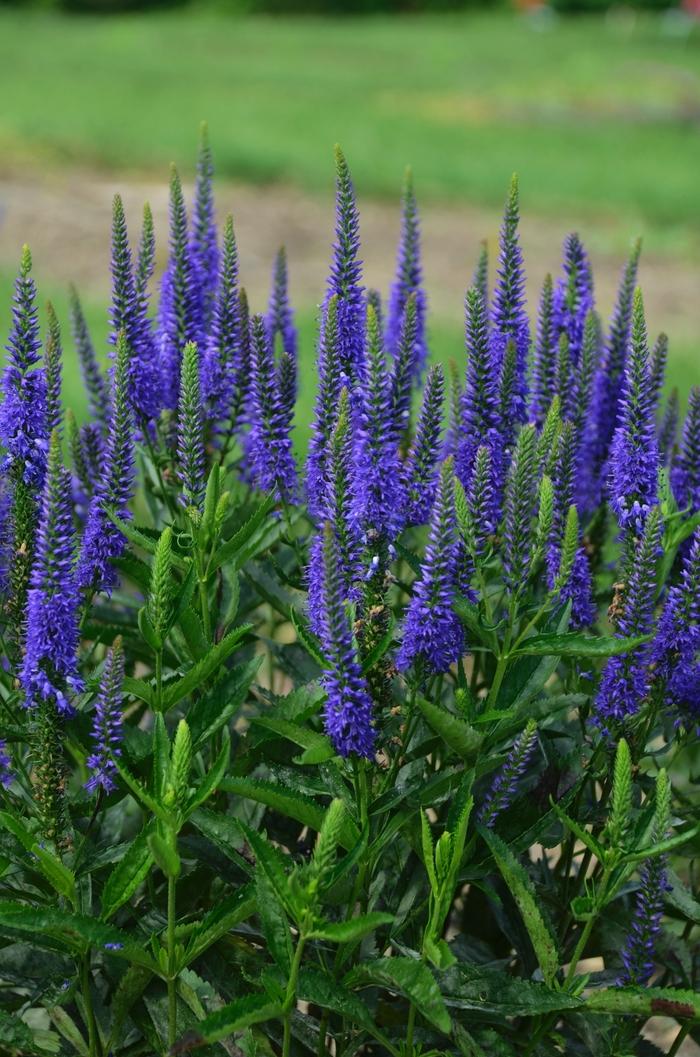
{"x":127,"y":875}
{"x":200,"y":672}
{"x":577,"y":645}
{"x":293,"y":805}
{"x":352,"y":929}
{"x":409,"y":977}
{"x":458,"y":734}
{"x":240,"y":1014}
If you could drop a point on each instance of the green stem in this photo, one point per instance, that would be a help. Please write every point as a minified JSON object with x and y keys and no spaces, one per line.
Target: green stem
{"x":93,"y":1040}
{"x":159,"y":680}
{"x":409,"y":1030}
{"x":291,"y":995}
{"x":172,"y":978}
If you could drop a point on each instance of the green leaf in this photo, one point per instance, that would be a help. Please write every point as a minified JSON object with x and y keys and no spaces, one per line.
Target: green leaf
{"x":321,"y":990}
{"x":213,"y":710}
{"x":212,"y":781}
{"x":78,"y":931}
{"x":317,"y":747}
{"x":240,"y":1014}
{"x":495,"y":993}
{"x":274,"y":922}
{"x":165,"y":854}
{"x":456,"y":732}
{"x":352,"y":929}
{"x":664,"y":846}
{"x":224,"y":917}
{"x":269,"y":859}
{"x":131,"y":986}
{"x":224,"y":832}
{"x":307,"y":639}
{"x":235,"y":548}
{"x":291,"y":804}
{"x":204,"y":669}
{"x":583,"y":834}
{"x":138,"y":790}
{"x":524,"y":895}
{"x":17,"y":1038}
{"x":576,"y":644}
{"x":59,"y":876}
{"x":409,"y":977}
{"x":470,"y":616}
{"x":138,"y":688}
{"x":681,"y":899}
{"x":645,"y":1002}
{"x":127,"y":875}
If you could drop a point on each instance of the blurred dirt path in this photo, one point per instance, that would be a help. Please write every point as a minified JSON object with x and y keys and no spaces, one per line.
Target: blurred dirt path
{"x":65,"y":219}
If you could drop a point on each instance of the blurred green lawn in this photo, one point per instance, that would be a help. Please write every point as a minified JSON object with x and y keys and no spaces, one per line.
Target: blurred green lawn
{"x":600,"y":118}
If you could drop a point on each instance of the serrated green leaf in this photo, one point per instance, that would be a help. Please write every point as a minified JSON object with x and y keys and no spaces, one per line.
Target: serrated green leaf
{"x":138,"y":688}
{"x":273,"y":920}
{"x":224,"y":832}
{"x":237,"y":1015}
{"x":212,"y":780}
{"x":224,"y":917}
{"x":317,"y":747}
{"x":524,"y":895}
{"x":130,"y":988}
{"x":307,"y":639}
{"x":645,"y":1002}
{"x":213,"y":710}
{"x":234,"y":549}
{"x":583,"y":834}
{"x":205,"y":668}
{"x":455,"y":731}
{"x":409,"y":977}
{"x":352,"y":929}
{"x":576,"y":644}
{"x":127,"y":875}
{"x":165,"y":854}
{"x":59,"y":876}
{"x":490,"y":991}
{"x":293,"y":805}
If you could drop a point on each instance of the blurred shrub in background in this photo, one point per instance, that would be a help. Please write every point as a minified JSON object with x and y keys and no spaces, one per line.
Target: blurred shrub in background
{"x":337,"y":7}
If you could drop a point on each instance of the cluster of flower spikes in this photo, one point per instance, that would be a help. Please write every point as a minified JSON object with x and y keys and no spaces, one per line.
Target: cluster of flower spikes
{"x":214,"y":376}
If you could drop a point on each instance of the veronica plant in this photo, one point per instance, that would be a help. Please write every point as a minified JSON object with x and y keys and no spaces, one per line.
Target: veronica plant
{"x":383,"y":748}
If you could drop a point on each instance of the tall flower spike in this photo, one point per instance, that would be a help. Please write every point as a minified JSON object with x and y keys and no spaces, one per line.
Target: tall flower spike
{"x":668,"y":428}
{"x":348,"y":709}
{"x":657,"y":368}
{"x":330,"y":382}
{"x":578,"y":587}
{"x":611,"y":370}
{"x":190,"y":431}
{"x":6,"y":775}
{"x":625,"y":680}
{"x":146,"y":259}
{"x":340,"y":516}
{"x":685,"y":473}
{"x":508,"y":316}
{"x":107,"y":723}
{"x":544,"y":365}
{"x":280,"y":316}
{"x":222,"y":352}
{"x":480,"y":279}
{"x":677,"y":642}
{"x":433,"y":632}
{"x":102,"y":541}
{"x":179,"y":313}
{"x":377,"y":485}
{"x":573,"y":296}
{"x":640,"y":948}
{"x":480,"y":501}
{"x":634,"y":457}
{"x":408,"y":283}
{"x":23,"y":419}
{"x":480,"y":416}
{"x":53,"y":361}
{"x":346,"y":275}
{"x":95,"y":385}
{"x":505,"y":784}
{"x":50,"y":669}
{"x":129,"y":314}
{"x":420,"y":472}
{"x":204,"y":251}
{"x":403,"y":374}
{"x":270,"y":444}
{"x":520,"y":498}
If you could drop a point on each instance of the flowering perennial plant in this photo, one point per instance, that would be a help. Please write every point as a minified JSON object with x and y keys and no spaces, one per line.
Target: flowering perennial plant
{"x":387,"y":747}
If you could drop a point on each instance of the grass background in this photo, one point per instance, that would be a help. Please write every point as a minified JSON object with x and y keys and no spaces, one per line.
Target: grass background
{"x":599,"y":117}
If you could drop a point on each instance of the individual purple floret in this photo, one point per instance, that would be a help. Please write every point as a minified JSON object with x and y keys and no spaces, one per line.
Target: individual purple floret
{"x":626,"y":678}
{"x":23,"y":415}
{"x":103,"y":541}
{"x":129,"y":314}
{"x":685,"y":471}
{"x":345,"y":277}
{"x":408,"y":283}
{"x":508,"y":315}
{"x":433,"y":632}
{"x":377,"y":494}
{"x":348,"y":710}
{"x":420,"y":471}
{"x":634,"y":457}
{"x":505,"y":784}
{"x":106,"y":733}
{"x":50,"y":668}
{"x":270,"y":450}
{"x":573,"y":296}
{"x":6,"y":774}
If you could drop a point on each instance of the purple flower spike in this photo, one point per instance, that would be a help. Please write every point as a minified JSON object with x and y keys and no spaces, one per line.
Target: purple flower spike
{"x":420,"y":473}
{"x":6,"y":774}
{"x":23,"y":415}
{"x":107,"y":723}
{"x":634,"y":457}
{"x":508,"y":315}
{"x":346,"y":275}
{"x":330,"y":383}
{"x":203,"y":248}
{"x":270,"y":449}
{"x":685,"y":473}
{"x":179,"y":318}
{"x":221,"y":362}
{"x":480,"y":419}
{"x":505,"y":784}
{"x":573,"y":296}
{"x":408,"y":283}
{"x":433,"y":632}
{"x":50,"y":668}
{"x":348,"y":710}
